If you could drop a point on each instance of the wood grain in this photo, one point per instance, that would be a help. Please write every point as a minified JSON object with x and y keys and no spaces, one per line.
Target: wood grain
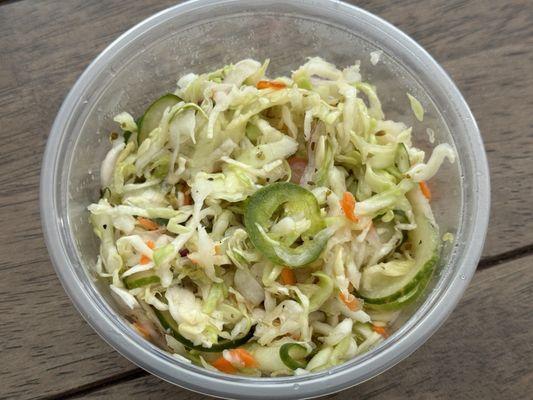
{"x":482,"y":352}
{"x":46,"y":347}
{"x":502,"y":102}
{"x":487,"y":48}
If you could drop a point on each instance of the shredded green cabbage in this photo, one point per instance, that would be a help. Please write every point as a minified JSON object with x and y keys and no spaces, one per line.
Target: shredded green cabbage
{"x":174,"y":246}
{"x":416,"y":106}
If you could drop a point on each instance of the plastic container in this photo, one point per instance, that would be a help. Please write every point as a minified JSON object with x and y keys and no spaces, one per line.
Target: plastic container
{"x":200,"y":36}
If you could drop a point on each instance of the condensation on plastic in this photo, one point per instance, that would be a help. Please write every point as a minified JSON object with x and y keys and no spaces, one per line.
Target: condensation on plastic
{"x":203,"y":35}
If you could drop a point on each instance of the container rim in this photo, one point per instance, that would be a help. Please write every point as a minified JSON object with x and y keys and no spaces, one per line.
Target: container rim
{"x":406,"y":340}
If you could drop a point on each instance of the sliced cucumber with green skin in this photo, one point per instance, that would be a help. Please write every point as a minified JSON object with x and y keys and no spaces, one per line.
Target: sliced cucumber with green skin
{"x":267,"y":357}
{"x":402,"y":158}
{"x":171,"y":326}
{"x":402,"y":301}
{"x":140,"y":279}
{"x":425,"y":242}
{"x":153,"y":114}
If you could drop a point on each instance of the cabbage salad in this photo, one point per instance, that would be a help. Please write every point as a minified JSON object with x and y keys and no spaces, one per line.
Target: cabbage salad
{"x":263,"y":226}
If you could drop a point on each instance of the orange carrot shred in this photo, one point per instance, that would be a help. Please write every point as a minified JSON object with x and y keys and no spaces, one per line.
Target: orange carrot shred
{"x":147,"y":224}
{"x":348,"y":206}
{"x":193,"y":259}
{"x":246,"y":358}
{"x":381,"y":330}
{"x":187,"y":199}
{"x":351,"y":302}
{"x":295,"y":336}
{"x":224,"y":365}
{"x":144,"y":259}
{"x":425,"y":190}
{"x":141,"y":329}
{"x":287,"y":276}
{"x":270,"y":85}
{"x":150,"y":244}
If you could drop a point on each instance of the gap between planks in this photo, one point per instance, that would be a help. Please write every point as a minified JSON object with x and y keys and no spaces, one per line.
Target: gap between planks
{"x":99,"y":384}
{"x":6,"y":2}
{"x":484,"y":263}
{"x":511,"y":255}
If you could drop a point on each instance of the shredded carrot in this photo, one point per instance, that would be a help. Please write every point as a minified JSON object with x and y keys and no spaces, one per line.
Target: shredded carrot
{"x":150,"y":244}
{"x":348,"y":206}
{"x":425,"y":190}
{"x":147,"y":224}
{"x":270,"y":85}
{"x":187,"y":199}
{"x":351,"y":302}
{"x":381,"y":330}
{"x":193,"y":259}
{"x":141,"y":329}
{"x":218,"y":250}
{"x":224,"y":365}
{"x":144,"y":259}
{"x":287,"y":276}
{"x":245,"y":357}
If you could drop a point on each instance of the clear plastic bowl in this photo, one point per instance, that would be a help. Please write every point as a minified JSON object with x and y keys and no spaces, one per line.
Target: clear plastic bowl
{"x":203,"y":35}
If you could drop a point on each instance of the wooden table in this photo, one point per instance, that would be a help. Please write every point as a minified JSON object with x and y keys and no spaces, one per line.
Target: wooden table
{"x":484,"y":350}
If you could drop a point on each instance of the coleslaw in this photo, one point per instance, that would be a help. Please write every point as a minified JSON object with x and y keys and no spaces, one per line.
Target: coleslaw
{"x":267,"y":227}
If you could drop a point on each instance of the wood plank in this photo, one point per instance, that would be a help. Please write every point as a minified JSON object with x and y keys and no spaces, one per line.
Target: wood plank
{"x":45,"y":45}
{"x":501,"y":98}
{"x":458,"y":28}
{"x":46,"y":345}
{"x":482,"y":352}
{"x":487,"y":48}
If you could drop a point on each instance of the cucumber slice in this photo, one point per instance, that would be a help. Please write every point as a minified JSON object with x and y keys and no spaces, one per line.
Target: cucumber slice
{"x":402,"y":301}
{"x":267,"y":357}
{"x":171,"y":326}
{"x":153,"y":114}
{"x":402,"y":158}
{"x":142,"y":278}
{"x":426,"y":246}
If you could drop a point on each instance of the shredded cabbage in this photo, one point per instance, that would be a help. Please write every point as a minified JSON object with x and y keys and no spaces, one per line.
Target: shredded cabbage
{"x":173,"y":239}
{"x":417,"y":108}
{"x":375,"y":56}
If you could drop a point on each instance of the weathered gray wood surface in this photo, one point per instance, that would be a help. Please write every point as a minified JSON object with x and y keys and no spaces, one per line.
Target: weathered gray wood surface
{"x":482,"y":352}
{"x":46,"y":348}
